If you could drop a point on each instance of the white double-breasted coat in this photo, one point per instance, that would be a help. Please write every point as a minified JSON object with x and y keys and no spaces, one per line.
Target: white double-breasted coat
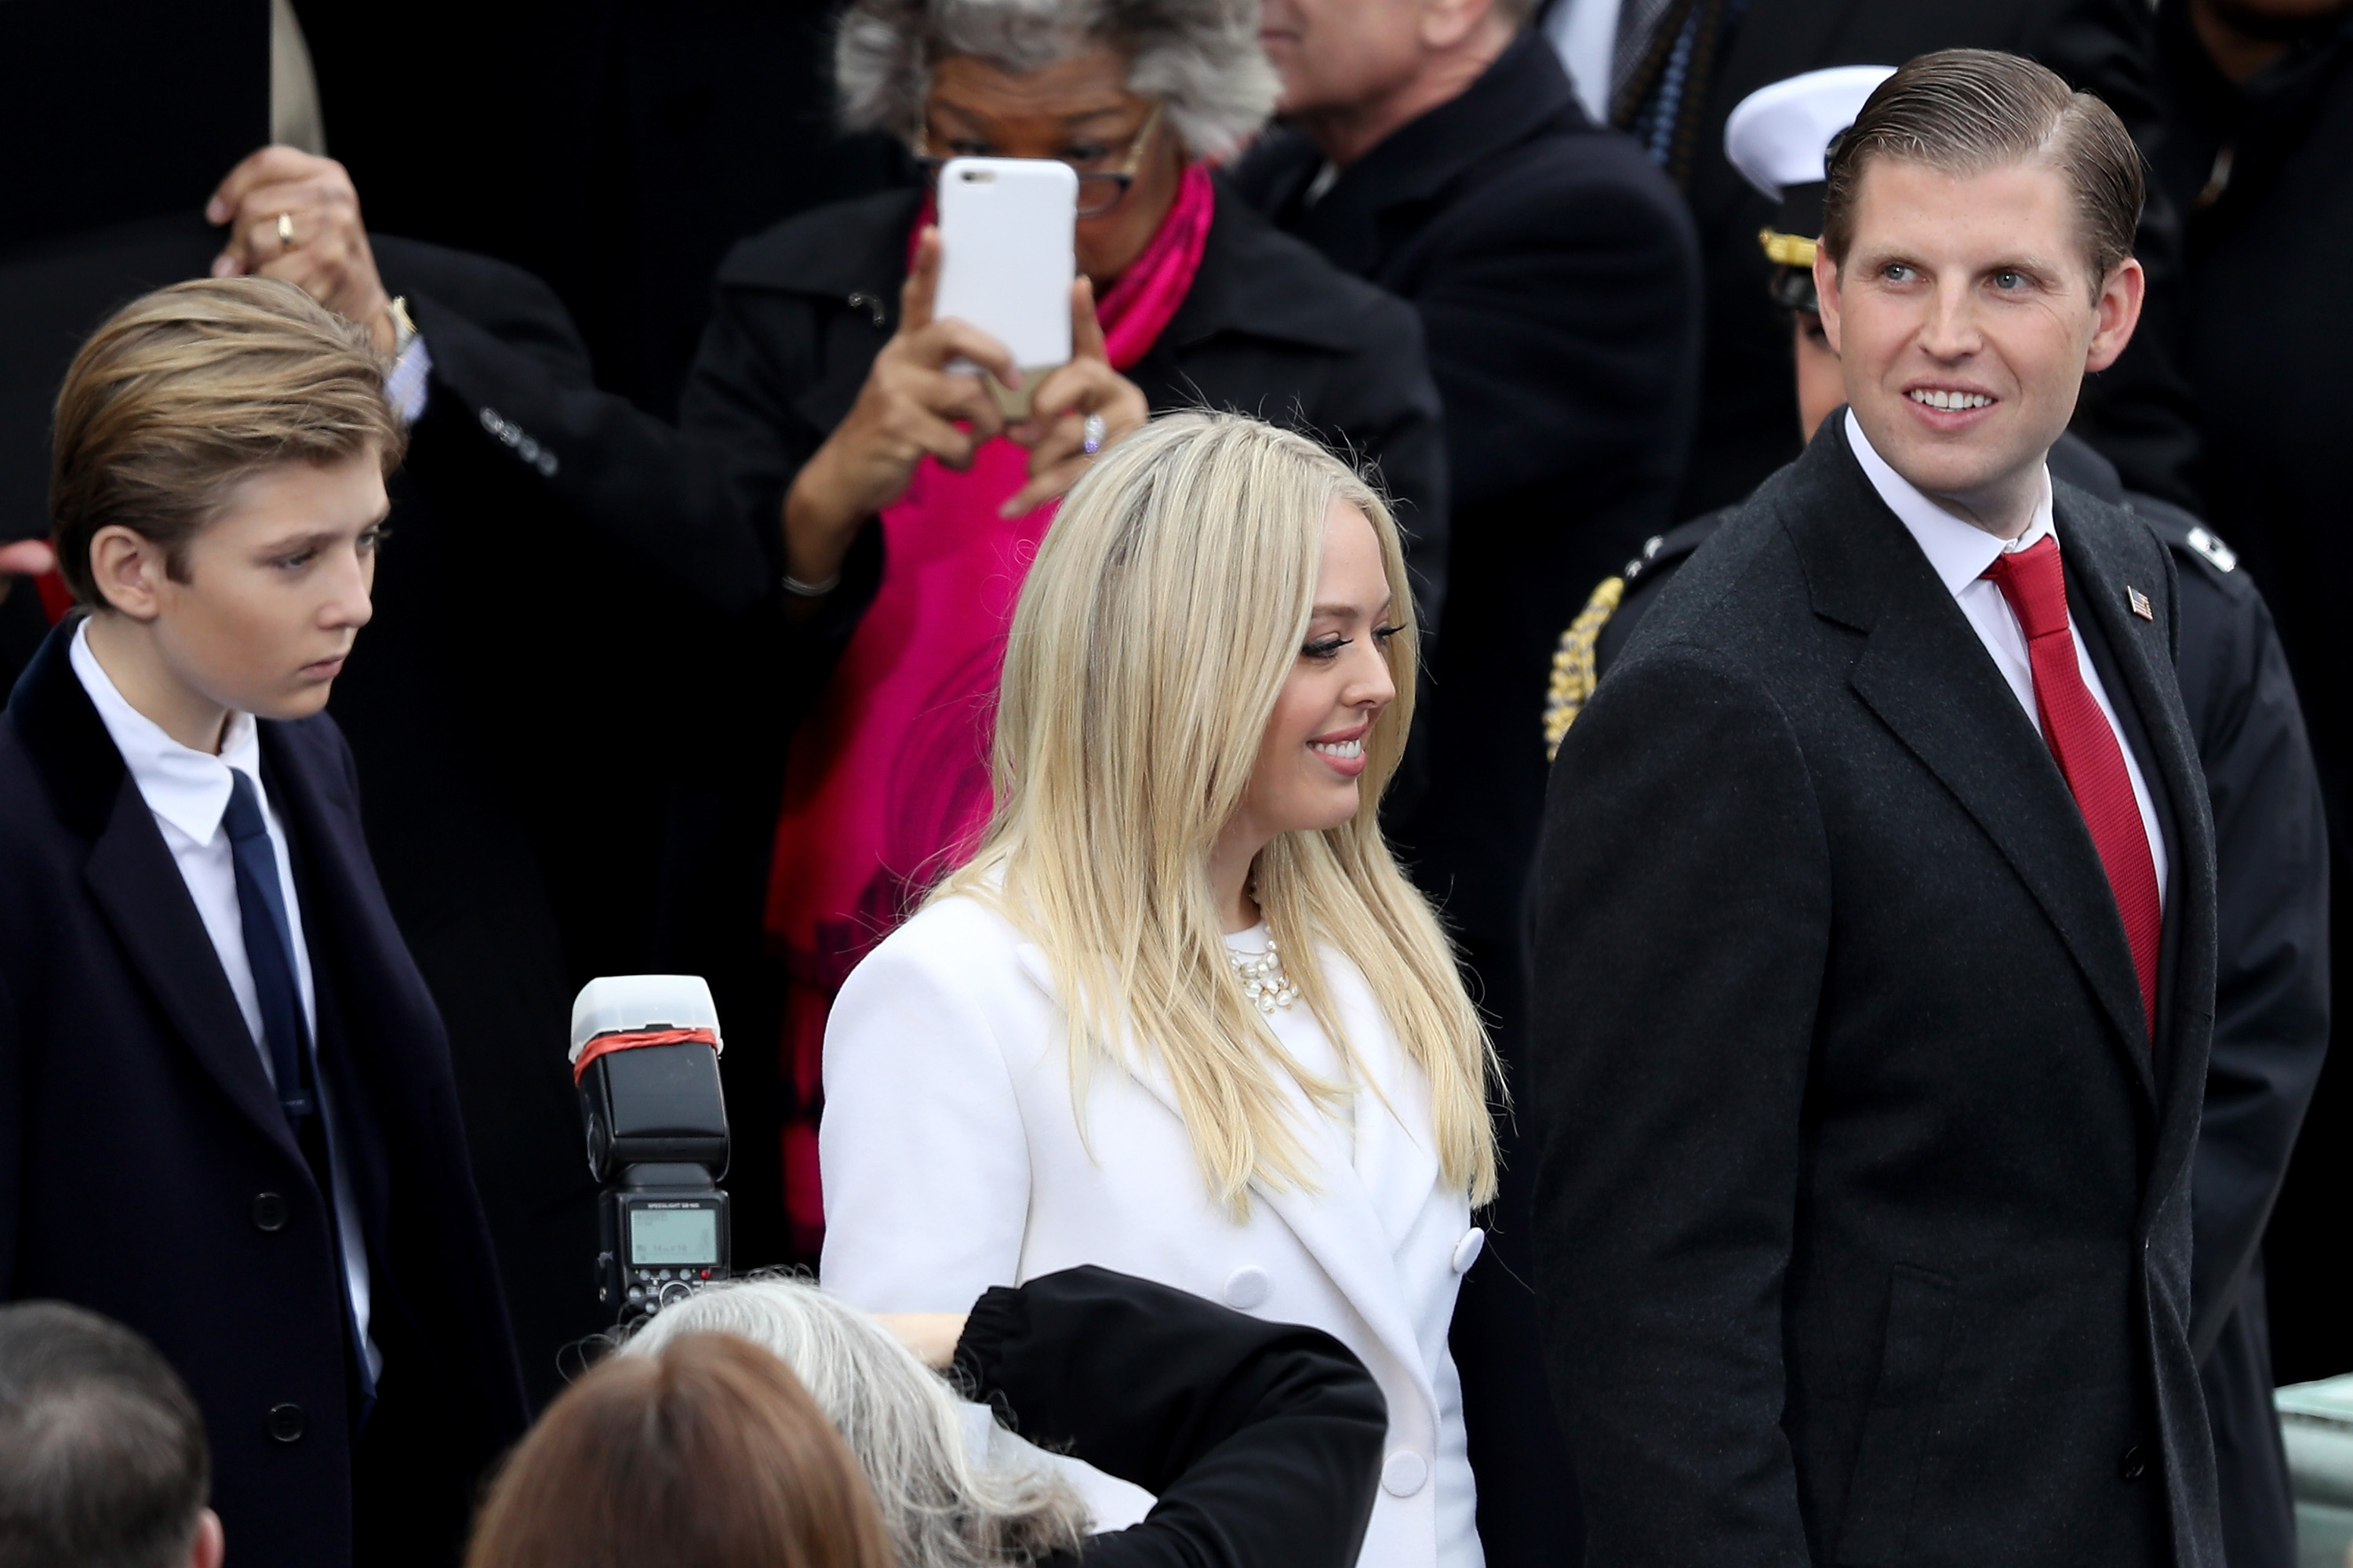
{"x":954,"y":1160}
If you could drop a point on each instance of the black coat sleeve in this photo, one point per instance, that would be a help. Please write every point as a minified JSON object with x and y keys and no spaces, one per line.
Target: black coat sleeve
{"x":700,"y":503}
{"x":1672,"y":1050}
{"x":670,"y":497}
{"x":2271,"y":985}
{"x":1263,"y":1441}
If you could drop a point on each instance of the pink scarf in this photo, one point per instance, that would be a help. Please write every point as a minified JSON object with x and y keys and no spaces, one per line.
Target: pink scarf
{"x":887,"y":789}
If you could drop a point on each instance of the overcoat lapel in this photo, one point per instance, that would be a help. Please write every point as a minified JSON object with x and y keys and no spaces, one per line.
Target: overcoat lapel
{"x":1337,"y":1227}
{"x":135,"y":882}
{"x":1336,"y":1222}
{"x":1926,"y":674}
{"x":137,"y":886}
{"x":2143,"y":653}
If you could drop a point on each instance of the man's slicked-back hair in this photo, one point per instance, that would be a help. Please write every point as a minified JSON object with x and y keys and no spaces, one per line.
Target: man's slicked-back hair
{"x":102,"y":1456}
{"x":188,"y":390}
{"x":1965,"y":111}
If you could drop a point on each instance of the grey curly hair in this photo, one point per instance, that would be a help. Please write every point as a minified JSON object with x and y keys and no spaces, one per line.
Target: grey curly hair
{"x":943,"y":1506}
{"x":1201,"y":55}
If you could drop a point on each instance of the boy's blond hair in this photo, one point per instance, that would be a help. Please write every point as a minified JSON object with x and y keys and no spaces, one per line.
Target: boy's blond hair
{"x":190,"y":389}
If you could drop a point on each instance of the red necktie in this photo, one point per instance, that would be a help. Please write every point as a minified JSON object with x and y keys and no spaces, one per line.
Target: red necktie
{"x":2086,"y":745}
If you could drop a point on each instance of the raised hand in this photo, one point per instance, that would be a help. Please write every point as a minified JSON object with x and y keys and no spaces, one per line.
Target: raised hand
{"x":908,"y":409}
{"x":296,"y":216}
{"x":1055,"y":431}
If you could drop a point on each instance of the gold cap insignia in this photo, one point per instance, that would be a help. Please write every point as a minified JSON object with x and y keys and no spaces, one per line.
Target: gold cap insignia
{"x":1785,"y":249}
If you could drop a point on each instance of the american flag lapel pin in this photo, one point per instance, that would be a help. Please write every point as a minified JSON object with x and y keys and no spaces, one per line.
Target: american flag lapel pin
{"x":2139,"y":602}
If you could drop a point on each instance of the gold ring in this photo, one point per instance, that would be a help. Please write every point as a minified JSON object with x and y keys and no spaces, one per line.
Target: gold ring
{"x":286,"y":230}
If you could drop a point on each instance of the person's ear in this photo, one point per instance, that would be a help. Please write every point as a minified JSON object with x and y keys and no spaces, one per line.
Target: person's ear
{"x":1446,"y":23}
{"x":211,"y":1543}
{"x":129,"y":569}
{"x":2116,"y":311}
{"x":1826,"y":295}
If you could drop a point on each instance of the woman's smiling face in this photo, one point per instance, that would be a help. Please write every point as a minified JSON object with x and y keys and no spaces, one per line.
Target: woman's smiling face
{"x":1313,"y":751}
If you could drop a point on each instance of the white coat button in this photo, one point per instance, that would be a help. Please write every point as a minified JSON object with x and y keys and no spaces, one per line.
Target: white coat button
{"x":1404,"y":1472}
{"x":1248,"y":1288}
{"x":1467,"y":1250}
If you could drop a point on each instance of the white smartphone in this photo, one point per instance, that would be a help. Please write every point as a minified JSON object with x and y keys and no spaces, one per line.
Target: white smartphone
{"x":1007,"y":260}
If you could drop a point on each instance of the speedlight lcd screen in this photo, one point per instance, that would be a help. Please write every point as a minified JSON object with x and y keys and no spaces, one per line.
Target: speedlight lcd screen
{"x":674,"y":1236}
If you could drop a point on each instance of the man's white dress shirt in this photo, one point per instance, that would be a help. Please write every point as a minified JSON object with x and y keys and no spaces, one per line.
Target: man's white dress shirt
{"x":1959,"y":552}
{"x":188,"y":790}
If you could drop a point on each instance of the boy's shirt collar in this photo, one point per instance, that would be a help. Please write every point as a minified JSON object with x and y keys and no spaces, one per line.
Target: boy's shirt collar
{"x":187,"y":788}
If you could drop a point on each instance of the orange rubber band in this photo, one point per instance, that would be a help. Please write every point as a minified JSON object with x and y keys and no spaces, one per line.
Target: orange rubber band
{"x":626,"y":1040}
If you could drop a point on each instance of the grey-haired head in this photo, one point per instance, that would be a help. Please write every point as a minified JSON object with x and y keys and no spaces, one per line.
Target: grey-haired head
{"x":945,"y":1505}
{"x":1201,"y":57}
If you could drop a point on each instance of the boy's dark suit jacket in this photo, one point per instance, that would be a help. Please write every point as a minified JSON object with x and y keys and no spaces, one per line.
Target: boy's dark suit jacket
{"x":146,"y":1171}
{"x":1863,"y":1220}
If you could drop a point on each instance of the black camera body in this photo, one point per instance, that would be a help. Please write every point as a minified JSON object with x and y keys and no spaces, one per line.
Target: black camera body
{"x":645,"y":1053}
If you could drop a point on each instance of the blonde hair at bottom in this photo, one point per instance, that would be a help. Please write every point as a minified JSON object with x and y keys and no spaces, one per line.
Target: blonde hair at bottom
{"x":1153,"y":635}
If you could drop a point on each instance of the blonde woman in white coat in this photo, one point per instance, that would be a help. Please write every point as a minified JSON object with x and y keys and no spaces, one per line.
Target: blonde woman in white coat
{"x":1181,"y":1015}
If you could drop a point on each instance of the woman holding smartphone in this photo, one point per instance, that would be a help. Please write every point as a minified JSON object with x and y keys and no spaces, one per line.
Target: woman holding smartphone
{"x":912,"y":506}
{"x":1182,"y":1015}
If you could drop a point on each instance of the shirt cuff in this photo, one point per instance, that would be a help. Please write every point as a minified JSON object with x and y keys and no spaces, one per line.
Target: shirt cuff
{"x":407,"y":386}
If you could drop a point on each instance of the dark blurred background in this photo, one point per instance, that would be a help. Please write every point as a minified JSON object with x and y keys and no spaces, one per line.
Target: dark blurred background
{"x":614,"y":148}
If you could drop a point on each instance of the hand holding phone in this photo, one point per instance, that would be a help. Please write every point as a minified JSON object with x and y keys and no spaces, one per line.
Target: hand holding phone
{"x":1006,"y":227}
{"x":1055,"y":427}
{"x":912,"y":407}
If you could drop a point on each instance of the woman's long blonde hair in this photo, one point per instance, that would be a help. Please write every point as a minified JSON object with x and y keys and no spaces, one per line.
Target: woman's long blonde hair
{"x":1166,"y":607}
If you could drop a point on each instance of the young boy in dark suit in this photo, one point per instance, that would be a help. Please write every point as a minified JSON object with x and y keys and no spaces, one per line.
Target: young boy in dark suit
{"x":226,"y":1116}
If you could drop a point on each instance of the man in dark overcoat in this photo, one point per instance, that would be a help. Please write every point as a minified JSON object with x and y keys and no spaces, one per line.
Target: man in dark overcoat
{"x":1878,"y":929}
{"x":2271,"y":856}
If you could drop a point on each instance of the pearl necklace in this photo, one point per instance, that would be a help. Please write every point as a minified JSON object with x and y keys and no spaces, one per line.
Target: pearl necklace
{"x":1264,"y":982}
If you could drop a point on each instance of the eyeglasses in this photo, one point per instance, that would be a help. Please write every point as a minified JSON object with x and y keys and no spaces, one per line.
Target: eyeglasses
{"x":1099,"y":191}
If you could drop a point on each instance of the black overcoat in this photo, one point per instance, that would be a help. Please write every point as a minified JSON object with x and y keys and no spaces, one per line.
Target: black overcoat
{"x":506,"y":634}
{"x":2270,"y":984}
{"x":1863,"y":1215}
{"x":146,"y":1171}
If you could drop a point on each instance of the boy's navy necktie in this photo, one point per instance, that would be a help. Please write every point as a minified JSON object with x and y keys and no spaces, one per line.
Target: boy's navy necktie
{"x":270,"y":950}
{"x":269,"y":953}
